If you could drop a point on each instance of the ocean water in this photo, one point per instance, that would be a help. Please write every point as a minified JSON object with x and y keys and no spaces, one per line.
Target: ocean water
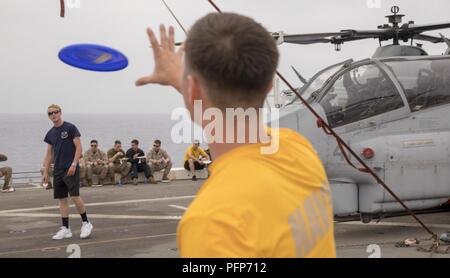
{"x":21,"y":136}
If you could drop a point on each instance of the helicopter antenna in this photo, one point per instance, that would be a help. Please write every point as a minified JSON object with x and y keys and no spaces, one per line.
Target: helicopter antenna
{"x":395,"y":19}
{"x":302,"y":79}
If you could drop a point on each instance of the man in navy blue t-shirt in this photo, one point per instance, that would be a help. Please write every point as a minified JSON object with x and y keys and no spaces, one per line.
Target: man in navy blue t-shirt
{"x":64,"y":149}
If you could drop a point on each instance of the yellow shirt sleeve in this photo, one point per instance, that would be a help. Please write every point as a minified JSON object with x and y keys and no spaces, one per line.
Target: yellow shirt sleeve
{"x":202,"y":152}
{"x":219,"y":234}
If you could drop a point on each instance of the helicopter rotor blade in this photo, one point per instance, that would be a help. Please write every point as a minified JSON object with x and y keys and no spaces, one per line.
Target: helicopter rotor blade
{"x":369,"y":33}
{"x":341,"y":40}
{"x":380,"y":34}
{"x":337,"y":38}
{"x":384,"y":32}
{"x":305,"y":38}
{"x":417,"y":29}
{"x":428,"y":38}
{"x":289,"y":39}
{"x":313,"y":36}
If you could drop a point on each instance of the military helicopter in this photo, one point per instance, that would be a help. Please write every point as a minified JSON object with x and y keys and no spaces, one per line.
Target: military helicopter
{"x":392,"y":109}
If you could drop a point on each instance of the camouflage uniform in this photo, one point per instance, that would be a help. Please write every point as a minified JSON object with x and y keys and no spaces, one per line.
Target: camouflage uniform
{"x":83,"y":171}
{"x":153,"y":156}
{"x":116,"y":165}
{"x":5,"y":172}
{"x":95,"y":163}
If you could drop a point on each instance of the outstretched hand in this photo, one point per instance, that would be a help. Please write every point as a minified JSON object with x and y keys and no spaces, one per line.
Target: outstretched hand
{"x":168,"y":62}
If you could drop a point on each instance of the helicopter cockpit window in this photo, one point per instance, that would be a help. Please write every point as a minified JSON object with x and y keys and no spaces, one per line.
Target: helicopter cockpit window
{"x":426,"y":82}
{"x":358,"y":94}
{"x":311,"y":93}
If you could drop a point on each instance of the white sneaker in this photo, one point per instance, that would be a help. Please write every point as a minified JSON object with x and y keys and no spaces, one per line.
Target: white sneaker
{"x":445,"y":237}
{"x":86,"y":230}
{"x":62,"y":233}
{"x":8,"y":190}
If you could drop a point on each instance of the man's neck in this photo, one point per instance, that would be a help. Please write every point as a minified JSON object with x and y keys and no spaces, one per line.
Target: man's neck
{"x":58,"y":123}
{"x":219,"y":149}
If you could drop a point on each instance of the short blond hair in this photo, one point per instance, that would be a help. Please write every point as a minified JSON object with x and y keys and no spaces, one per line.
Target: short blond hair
{"x":56,"y":106}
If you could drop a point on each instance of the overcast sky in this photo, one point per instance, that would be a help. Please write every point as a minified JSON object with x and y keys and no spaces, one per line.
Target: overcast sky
{"x":32,"y":33}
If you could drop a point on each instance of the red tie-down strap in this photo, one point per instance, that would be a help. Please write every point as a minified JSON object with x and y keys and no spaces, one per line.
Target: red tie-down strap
{"x":63,"y":8}
{"x":341,"y":148}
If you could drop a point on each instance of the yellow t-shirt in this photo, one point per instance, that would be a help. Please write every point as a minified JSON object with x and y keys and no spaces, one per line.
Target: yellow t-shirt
{"x":196,"y":153}
{"x":256,"y":205}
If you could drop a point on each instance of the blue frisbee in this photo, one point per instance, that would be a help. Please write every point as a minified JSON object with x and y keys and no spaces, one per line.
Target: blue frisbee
{"x":93,"y":57}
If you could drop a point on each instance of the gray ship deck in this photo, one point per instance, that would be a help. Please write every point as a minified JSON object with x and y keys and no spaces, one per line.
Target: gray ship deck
{"x":141,"y":221}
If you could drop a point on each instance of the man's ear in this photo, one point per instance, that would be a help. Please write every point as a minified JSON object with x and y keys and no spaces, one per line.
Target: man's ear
{"x":188,"y":98}
{"x":271,"y":84}
{"x":195,"y":89}
{"x":270,"y":87}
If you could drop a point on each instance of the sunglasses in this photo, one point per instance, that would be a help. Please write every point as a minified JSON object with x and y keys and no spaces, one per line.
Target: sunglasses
{"x":94,"y":146}
{"x":53,"y":113}
{"x":156,"y":146}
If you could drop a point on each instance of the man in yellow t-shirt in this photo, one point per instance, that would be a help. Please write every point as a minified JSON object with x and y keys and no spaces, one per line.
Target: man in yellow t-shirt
{"x":254,"y":204}
{"x":194,"y":159}
{"x":257,"y":205}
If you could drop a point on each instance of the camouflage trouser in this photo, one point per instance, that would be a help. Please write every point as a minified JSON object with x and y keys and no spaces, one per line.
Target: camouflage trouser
{"x":83,"y":174}
{"x":89,"y":170}
{"x":159,"y":167}
{"x":6,"y":172}
{"x":123,"y":169}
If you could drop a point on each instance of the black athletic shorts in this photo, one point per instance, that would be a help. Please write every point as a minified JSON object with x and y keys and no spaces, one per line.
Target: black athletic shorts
{"x":63,"y":186}
{"x":197,"y":165}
